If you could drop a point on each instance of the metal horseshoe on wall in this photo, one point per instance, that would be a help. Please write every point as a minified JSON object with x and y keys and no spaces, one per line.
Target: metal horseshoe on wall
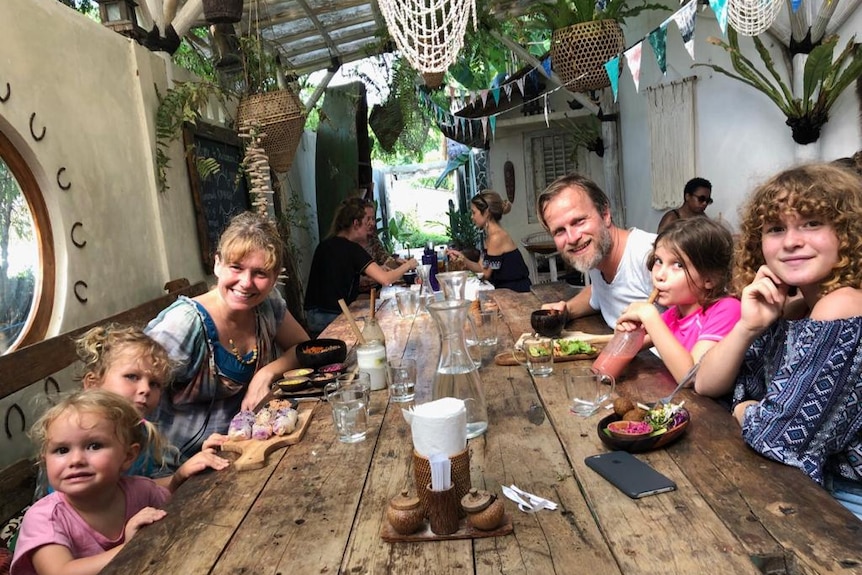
{"x":53,"y":382}
{"x":59,"y":183}
{"x":33,"y":132}
{"x":78,"y":244}
{"x":14,"y":407}
{"x":78,"y":296}
{"x":8,"y":95}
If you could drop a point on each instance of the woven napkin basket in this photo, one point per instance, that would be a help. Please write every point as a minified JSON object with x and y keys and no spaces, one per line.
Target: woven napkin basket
{"x":460,"y":476}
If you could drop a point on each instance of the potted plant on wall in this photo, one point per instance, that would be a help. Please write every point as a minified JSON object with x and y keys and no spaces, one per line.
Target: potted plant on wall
{"x":584,"y":35}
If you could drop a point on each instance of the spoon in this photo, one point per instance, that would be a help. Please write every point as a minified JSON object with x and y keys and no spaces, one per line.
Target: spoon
{"x":688,"y":377}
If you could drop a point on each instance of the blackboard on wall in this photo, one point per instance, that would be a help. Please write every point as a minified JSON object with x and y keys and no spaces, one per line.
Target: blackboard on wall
{"x":220,"y":196}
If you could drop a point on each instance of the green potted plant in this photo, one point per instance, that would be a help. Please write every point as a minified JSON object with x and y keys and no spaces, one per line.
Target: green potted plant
{"x":584,"y":35}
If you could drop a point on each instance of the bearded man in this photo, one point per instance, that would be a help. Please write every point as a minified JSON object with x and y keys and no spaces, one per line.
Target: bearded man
{"x":576,"y":212}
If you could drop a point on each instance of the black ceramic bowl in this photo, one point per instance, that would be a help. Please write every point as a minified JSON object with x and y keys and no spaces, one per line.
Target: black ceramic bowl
{"x":548,"y":322}
{"x":409,"y":277}
{"x":293,"y":384}
{"x":316,"y":353}
{"x":640,"y":444}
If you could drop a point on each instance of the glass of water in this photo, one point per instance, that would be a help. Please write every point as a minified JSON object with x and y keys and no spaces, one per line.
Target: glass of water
{"x":349,"y":405}
{"x":538,"y":355}
{"x":402,"y":380}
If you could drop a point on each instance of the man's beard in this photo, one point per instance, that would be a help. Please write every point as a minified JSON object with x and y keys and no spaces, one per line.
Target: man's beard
{"x":584,"y":263}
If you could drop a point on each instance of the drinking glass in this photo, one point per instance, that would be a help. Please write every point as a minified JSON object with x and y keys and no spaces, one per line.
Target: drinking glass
{"x":588,"y":390}
{"x":538,"y":352}
{"x":346,"y":379}
{"x":486,"y":328}
{"x":408,"y":303}
{"x":349,"y":411}
{"x":402,"y":380}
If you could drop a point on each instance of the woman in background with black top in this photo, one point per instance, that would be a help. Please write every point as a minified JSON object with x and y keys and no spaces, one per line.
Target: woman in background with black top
{"x":338,"y":262}
{"x":501,"y":262}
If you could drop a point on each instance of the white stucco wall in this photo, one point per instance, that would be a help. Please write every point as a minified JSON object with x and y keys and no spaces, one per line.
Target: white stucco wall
{"x":92,"y":90}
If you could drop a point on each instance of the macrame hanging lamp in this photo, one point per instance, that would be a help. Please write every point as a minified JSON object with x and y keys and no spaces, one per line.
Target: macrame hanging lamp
{"x":752,"y":17}
{"x":429,"y":33}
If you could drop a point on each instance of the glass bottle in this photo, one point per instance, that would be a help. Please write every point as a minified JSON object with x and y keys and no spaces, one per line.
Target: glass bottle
{"x":622,"y":348}
{"x":372,"y":331}
{"x":456,"y":374}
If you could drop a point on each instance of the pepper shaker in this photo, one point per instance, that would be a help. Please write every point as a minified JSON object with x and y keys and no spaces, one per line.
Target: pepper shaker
{"x":404,"y":514}
{"x":484,"y":510}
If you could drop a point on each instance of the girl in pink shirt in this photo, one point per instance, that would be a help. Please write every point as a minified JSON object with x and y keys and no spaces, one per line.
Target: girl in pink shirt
{"x":87,"y":442}
{"x":690,"y":267}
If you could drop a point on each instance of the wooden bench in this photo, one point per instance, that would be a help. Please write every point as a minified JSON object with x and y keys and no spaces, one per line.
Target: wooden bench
{"x":39,"y":362}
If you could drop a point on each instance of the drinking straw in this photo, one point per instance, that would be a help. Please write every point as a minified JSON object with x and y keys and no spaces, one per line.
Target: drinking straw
{"x":356,"y":331}
{"x":373,"y":297}
{"x":653,"y":296}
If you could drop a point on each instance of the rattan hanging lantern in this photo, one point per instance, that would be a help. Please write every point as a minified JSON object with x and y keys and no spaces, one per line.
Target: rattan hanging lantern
{"x":281,"y":117}
{"x":579,"y":53}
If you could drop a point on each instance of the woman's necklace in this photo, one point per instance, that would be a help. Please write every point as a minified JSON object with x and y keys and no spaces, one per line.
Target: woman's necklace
{"x":238,"y":356}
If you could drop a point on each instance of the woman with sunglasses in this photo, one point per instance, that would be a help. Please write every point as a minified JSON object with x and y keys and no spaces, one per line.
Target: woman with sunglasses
{"x":501,"y":262}
{"x":696,"y":196}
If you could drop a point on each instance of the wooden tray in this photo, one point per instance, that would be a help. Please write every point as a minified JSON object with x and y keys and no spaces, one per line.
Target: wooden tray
{"x":253,"y":452}
{"x":508,"y":358}
{"x":387,"y":533}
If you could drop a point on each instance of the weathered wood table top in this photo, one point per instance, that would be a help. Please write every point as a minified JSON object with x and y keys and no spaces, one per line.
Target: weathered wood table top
{"x":318,"y":506}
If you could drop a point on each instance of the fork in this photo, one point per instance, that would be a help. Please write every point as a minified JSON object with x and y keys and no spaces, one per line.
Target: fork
{"x":688,"y":377}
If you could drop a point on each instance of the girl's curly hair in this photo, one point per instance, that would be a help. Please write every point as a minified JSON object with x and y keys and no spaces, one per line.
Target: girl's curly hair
{"x":823,"y":191}
{"x":98,"y":347}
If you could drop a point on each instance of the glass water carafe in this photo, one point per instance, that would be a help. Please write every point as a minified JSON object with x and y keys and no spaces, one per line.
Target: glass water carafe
{"x":456,"y":374}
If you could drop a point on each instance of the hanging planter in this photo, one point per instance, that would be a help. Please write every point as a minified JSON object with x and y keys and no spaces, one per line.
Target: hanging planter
{"x":579,"y":52}
{"x":281,"y":117}
{"x":387,"y":121}
{"x":222,"y":11}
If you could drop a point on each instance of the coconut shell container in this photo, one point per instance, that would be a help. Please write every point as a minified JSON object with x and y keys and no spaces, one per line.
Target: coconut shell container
{"x":484,"y":510}
{"x":405,"y":514}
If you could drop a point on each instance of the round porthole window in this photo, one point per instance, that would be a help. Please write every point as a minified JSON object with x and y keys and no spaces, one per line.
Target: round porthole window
{"x":26,"y":254}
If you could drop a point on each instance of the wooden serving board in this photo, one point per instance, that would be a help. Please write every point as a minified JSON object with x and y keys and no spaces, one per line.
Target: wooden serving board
{"x":465,"y":531}
{"x":253,"y":452}
{"x":508,"y":358}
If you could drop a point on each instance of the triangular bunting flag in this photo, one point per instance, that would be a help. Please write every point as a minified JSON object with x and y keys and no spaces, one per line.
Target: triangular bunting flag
{"x":546,"y":66}
{"x":795,"y":4}
{"x":633,"y":59}
{"x":495,"y":92}
{"x":493,"y":121}
{"x":720,"y":9}
{"x":612,"y":67}
{"x":684,"y":19}
{"x":485,"y":127}
{"x":547,"y":123}
{"x":658,"y":40}
{"x":520,"y":84}
{"x":484,"y":94}
{"x":507,"y":89}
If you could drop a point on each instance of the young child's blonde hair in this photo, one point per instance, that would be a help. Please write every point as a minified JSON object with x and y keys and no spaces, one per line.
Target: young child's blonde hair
{"x":128,"y":425}
{"x":98,"y":347}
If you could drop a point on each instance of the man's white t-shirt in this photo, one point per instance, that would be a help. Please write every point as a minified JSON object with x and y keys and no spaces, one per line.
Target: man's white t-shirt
{"x":632,"y":282}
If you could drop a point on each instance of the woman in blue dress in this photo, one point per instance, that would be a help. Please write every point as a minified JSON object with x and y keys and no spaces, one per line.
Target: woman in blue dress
{"x":501,"y":262}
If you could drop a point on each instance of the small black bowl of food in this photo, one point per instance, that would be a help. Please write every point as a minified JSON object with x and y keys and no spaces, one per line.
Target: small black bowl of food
{"x":548,"y":322}
{"x":316,"y":353}
{"x":293,"y":384}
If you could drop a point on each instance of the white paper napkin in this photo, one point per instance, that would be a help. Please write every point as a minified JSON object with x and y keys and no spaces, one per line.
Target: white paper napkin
{"x":438,"y":426}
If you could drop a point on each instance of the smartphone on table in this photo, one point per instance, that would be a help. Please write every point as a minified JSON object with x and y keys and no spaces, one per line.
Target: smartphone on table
{"x":629,"y":474}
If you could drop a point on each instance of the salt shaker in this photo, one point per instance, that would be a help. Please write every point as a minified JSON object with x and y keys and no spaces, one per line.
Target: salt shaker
{"x":404,"y":514}
{"x":484,"y":510}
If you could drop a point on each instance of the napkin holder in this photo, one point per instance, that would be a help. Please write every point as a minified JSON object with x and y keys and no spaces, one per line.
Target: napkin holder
{"x":460,"y":478}
{"x":443,"y":510}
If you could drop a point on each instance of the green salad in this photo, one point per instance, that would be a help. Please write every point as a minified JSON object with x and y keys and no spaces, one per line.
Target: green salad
{"x":572,"y":346}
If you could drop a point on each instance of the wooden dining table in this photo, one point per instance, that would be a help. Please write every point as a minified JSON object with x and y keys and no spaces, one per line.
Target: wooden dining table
{"x":319,"y":506}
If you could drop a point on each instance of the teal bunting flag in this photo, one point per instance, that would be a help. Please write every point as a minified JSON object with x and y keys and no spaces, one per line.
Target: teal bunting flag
{"x":720,"y":9}
{"x":493,"y":122}
{"x":658,"y":40}
{"x":495,"y":92}
{"x":612,"y":67}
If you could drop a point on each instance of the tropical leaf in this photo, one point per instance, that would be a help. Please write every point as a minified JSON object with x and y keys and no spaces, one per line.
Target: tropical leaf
{"x":818,"y":65}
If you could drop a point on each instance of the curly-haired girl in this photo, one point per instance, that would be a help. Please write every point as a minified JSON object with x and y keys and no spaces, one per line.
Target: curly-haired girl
{"x":794,"y":360}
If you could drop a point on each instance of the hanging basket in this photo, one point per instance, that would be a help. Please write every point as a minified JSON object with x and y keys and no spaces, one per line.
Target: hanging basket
{"x":433,"y":79}
{"x":281,"y":116}
{"x":387,"y":121}
{"x":752,"y":17}
{"x":222,"y":11}
{"x":579,"y":53}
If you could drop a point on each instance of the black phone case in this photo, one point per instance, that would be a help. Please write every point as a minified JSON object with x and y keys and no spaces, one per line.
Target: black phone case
{"x":629,"y":474}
